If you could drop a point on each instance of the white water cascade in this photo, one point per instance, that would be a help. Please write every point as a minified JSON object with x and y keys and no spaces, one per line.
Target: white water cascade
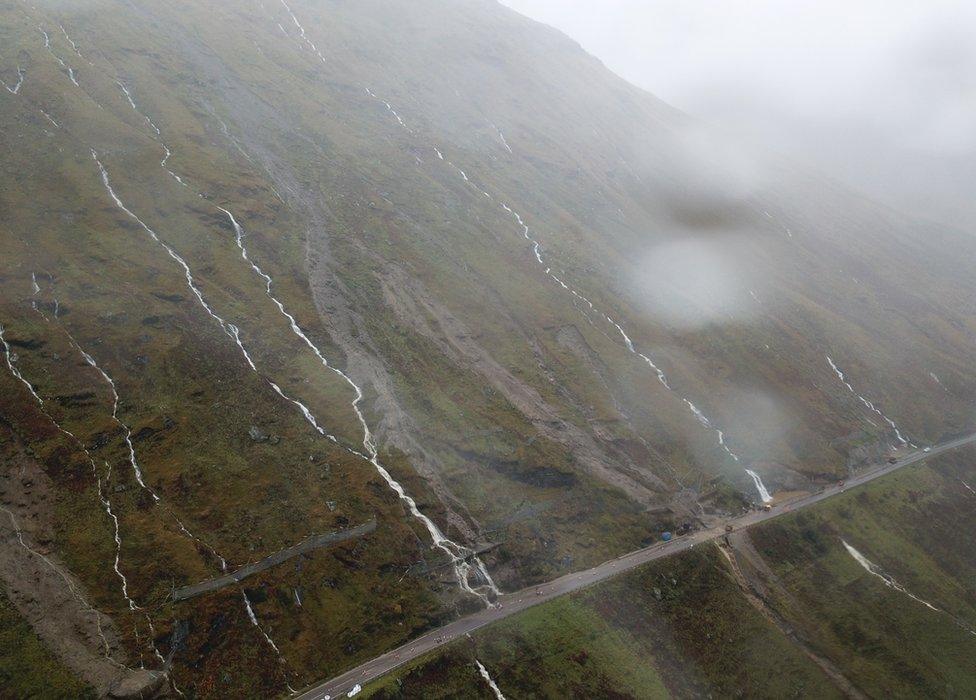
{"x":132,"y":453}
{"x":118,"y":539}
{"x":501,"y":137}
{"x":11,"y":365}
{"x":760,"y":487}
{"x":159,"y":135}
{"x":61,"y":62}
{"x":74,"y":46}
{"x":537,"y":254}
{"x":463,"y":559}
{"x":868,"y":404}
{"x":14,"y":89}
{"x":489,"y":680}
{"x":878,"y":572}
{"x":115,"y":417}
{"x":254,"y":621}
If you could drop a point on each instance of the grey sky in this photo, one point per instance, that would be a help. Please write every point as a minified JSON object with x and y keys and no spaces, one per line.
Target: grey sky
{"x":879,"y":93}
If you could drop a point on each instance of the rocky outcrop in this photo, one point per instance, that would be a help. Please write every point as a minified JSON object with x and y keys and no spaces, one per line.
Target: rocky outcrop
{"x":141,"y":684}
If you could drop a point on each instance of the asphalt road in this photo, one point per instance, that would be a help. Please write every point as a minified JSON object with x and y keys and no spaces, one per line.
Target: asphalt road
{"x":513,"y":603}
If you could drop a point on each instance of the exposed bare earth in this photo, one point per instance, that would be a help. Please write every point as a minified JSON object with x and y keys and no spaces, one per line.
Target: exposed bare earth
{"x":413,"y":306}
{"x":48,"y":596}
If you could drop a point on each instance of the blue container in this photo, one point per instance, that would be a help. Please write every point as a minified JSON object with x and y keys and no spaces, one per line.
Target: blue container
{"x":666,"y":536}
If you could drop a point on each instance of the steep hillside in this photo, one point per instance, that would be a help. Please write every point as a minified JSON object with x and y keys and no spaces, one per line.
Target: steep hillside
{"x":273,"y":269}
{"x":867,"y":596}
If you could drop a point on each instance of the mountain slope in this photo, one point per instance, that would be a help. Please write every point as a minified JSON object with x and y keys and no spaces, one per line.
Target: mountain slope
{"x":563,"y":317}
{"x":782,"y":609}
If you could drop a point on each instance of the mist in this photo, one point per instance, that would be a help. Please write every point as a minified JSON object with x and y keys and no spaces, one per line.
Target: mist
{"x":879,"y":95}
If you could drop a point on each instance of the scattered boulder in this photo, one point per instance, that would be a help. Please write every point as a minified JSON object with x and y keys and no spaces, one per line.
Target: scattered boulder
{"x":256,"y":434}
{"x":140,"y":684}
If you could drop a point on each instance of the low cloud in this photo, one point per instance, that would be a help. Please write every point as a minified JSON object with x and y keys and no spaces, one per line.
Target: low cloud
{"x":707,"y":179}
{"x":691,"y":282}
{"x":878,"y":93}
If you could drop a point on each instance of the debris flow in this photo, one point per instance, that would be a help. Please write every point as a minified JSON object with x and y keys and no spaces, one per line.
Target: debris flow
{"x":537,"y":253}
{"x":463,"y":560}
{"x":64,"y":577}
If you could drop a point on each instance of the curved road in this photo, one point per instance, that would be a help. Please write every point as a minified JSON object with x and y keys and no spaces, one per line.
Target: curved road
{"x":513,"y":603}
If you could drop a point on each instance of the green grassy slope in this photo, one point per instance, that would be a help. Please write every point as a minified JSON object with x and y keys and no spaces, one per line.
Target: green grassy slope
{"x":27,"y":668}
{"x":678,"y":628}
{"x":912,"y":525}
{"x":684,"y":624}
{"x":512,"y":412}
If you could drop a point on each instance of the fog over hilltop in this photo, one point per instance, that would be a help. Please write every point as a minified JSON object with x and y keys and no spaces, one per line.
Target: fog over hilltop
{"x":881,"y":95}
